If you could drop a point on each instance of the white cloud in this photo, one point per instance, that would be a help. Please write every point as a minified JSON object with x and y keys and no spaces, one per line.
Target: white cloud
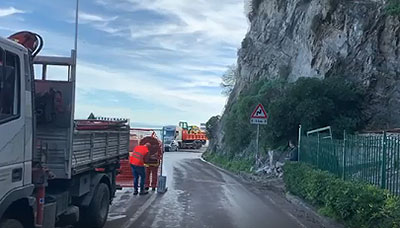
{"x":95,"y":17}
{"x":222,"y":20}
{"x":9,"y":11}
{"x":100,"y":22}
{"x":141,"y":85}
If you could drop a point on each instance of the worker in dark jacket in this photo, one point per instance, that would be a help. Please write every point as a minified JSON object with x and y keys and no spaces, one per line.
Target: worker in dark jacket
{"x":152,"y":164}
{"x":136,"y":159}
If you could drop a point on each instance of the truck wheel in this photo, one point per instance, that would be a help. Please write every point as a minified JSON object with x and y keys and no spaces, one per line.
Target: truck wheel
{"x":11,"y":223}
{"x":95,"y":216}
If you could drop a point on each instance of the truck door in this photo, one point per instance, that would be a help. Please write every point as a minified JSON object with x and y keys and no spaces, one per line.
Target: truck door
{"x":12,"y":129}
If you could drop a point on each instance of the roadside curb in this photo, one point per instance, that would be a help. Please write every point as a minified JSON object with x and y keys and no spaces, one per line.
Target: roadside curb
{"x":222,"y":169}
{"x":215,"y":166}
{"x":325,"y":221}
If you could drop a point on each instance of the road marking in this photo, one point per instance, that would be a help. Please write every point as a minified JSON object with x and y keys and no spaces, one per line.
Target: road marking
{"x":112,"y":217}
{"x":268,"y":197}
{"x":139,"y":212}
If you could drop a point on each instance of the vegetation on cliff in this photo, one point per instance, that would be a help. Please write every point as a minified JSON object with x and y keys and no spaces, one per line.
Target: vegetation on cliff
{"x":393,"y":7}
{"x":310,"y":102}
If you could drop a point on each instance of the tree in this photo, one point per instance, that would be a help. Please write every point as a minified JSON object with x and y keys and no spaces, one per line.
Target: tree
{"x":211,"y":127}
{"x":229,"y":79}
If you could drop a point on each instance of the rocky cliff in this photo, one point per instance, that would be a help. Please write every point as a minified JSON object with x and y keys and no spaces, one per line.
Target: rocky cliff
{"x":325,"y":38}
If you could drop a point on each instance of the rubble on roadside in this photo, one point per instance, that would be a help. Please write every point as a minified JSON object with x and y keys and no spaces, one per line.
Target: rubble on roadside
{"x":271,"y":165}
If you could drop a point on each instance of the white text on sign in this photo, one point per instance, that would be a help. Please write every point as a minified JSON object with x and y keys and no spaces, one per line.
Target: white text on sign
{"x":258,"y":121}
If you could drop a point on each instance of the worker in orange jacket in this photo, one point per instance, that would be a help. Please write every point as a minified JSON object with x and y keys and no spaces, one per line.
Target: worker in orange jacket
{"x":136,"y":159}
{"x":152,"y":164}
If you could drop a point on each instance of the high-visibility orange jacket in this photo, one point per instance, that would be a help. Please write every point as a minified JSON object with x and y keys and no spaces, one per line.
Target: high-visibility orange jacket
{"x":137,"y":156}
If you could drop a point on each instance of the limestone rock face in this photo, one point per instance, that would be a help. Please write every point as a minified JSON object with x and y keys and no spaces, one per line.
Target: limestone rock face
{"x":325,"y":38}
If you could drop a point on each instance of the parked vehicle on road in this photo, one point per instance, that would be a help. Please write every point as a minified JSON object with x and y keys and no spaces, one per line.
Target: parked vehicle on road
{"x":184,"y":136}
{"x":54,"y":170}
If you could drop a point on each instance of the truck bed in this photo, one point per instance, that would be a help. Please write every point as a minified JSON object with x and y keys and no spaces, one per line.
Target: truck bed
{"x":98,"y":148}
{"x":90,"y":149}
{"x":198,"y":136}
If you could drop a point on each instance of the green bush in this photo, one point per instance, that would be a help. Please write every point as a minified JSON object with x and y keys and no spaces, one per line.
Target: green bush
{"x":356,"y":204}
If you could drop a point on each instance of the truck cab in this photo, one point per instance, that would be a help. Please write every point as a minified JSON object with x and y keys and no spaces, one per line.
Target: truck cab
{"x":172,"y":137}
{"x":16,"y":130}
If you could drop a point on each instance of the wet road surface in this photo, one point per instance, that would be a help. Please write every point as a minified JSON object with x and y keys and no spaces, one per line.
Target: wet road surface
{"x":199,"y":195}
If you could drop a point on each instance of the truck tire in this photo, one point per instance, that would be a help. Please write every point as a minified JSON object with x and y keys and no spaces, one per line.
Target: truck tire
{"x":11,"y":223}
{"x":95,"y":216}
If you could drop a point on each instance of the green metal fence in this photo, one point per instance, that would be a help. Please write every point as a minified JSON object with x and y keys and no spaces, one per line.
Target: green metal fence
{"x":373,"y":159}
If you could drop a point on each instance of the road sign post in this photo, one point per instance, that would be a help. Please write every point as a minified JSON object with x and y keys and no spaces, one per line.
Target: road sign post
{"x":259,"y":116}
{"x":257,"y":146}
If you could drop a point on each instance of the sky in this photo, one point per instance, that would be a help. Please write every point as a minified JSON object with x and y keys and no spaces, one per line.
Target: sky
{"x":156,"y":62}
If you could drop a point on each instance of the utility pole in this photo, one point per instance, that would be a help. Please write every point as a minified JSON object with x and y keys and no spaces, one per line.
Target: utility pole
{"x":76,"y":26}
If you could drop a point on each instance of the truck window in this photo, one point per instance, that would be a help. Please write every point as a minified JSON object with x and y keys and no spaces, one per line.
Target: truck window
{"x":169,"y":133}
{"x":9,"y":86}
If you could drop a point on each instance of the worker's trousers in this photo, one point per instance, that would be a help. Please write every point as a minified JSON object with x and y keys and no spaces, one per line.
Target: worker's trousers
{"x":151,"y":174}
{"x":138,"y":172}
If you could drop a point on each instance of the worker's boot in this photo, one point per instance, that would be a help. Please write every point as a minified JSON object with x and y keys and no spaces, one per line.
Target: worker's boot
{"x":136,"y":192}
{"x":153,"y":189}
{"x":147,"y":188}
{"x":143,"y":192}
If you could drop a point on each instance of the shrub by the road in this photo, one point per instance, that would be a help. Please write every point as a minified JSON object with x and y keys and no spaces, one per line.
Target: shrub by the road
{"x":358,"y":205}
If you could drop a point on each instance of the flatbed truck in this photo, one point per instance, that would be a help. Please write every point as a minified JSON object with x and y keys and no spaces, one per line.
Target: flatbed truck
{"x":54,"y":171}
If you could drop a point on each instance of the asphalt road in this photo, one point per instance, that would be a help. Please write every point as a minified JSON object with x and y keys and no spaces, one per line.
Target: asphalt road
{"x":200,"y":195}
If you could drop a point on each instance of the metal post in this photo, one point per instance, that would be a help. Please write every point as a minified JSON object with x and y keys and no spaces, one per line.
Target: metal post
{"x":162,"y":150}
{"x":318,"y":146}
{"x":44,"y":72}
{"x":344,"y":156}
{"x":383,"y":170}
{"x":299,"y":144}
{"x":257,"y":149}
{"x":76,"y":25}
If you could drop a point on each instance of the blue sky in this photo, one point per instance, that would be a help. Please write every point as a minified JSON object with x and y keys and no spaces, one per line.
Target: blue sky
{"x":155,"y":61}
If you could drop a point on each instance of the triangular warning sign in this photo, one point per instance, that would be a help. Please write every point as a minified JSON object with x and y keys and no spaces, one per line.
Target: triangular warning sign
{"x":259,"y":112}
